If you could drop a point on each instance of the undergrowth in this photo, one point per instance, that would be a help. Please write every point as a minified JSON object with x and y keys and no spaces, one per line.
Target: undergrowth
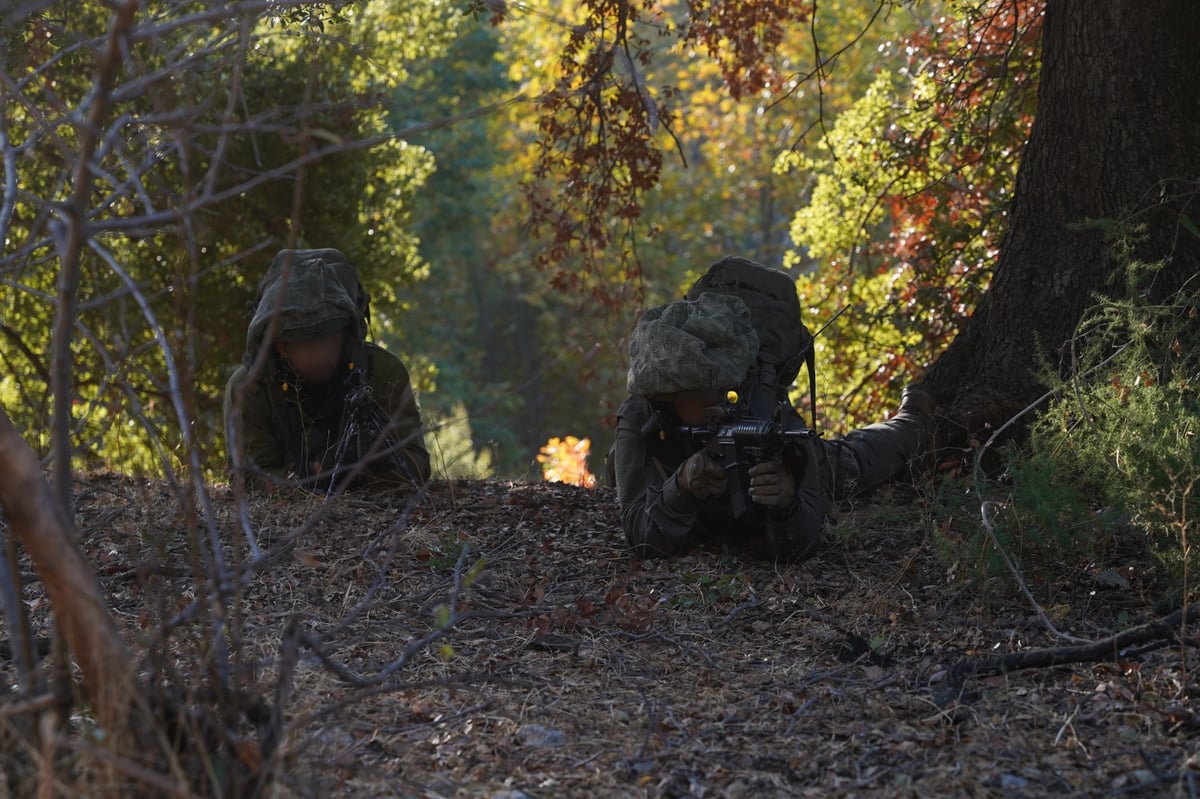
{"x":1111,"y":468}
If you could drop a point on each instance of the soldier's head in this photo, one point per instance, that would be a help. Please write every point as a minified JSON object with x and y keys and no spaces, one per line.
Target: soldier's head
{"x":694,"y":407}
{"x":315,"y":353}
{"x":306,"y":316}
{"x":688,"y":354}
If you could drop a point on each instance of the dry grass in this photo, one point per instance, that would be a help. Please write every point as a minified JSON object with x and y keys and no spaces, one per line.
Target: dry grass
{"x":575,"y":670}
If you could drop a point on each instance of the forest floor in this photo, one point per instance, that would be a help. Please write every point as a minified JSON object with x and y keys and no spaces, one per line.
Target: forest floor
{"x":560,"y":666}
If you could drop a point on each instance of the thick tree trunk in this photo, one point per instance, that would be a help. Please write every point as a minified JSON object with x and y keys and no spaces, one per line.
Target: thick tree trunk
{"x":1116,"y":136}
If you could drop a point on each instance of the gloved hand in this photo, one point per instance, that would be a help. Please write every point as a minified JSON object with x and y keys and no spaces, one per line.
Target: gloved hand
{"x":701,"y":476}
{"x":772,"y":485}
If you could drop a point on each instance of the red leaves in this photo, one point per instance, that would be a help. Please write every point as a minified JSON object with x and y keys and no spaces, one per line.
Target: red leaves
{"x":744,"y":36}
{"x":597,"y":154}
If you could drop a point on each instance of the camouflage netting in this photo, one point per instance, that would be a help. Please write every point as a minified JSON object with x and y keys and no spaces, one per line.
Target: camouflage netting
{"x":314,"y":302}
{"x":770,"y":294}
{"x":690,"y":345}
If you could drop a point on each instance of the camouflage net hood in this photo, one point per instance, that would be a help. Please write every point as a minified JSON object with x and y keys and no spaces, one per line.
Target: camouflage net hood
{"x":312,"y":302}
{"x":770,"y":294}
{"x":697,"y":344}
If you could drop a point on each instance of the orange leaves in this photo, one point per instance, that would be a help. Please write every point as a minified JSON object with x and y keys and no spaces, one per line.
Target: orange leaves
{"x":564,"y":460}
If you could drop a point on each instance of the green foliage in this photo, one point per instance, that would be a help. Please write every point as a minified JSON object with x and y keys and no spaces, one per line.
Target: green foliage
{"x":1056,"y":513}
{"x":482,"y":358}
{"x":711,"y":589}
{"x":553,"y":362}
{"x":451,"y":448}
{"x":909,"y":194}
{"x":444,"y":552}
{"x":1041,"y":519}
{"x":228,"y":139}
{"x":1113,"y":462}
{"x":381,"y":102}
{"x":1127,"y":424}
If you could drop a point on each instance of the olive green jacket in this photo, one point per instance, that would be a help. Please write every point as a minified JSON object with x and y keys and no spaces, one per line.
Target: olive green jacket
{"x":278,"y":429}
{"x":280,"y":438}
{"x":660,"y":519}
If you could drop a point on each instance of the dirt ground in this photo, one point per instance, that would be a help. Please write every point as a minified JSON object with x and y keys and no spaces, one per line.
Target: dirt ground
{"x":560,"y":666}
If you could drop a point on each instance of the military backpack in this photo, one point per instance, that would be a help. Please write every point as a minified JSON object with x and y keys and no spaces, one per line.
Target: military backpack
{"x":785,"y":343}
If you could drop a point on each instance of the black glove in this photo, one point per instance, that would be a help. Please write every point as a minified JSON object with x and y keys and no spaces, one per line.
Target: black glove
{"x":772,"y":485}
{"x":701,"y":476}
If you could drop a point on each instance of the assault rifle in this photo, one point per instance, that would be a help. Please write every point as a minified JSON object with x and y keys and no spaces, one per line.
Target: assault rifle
{"x":367,"y":430}
{"x":745,"y":433}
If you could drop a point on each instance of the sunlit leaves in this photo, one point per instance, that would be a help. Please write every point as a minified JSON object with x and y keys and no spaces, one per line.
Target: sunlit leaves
{"x":555,"y":360}
{"x":596,"y":156}
{"x":910,"y":197}
{"x":744,"y":39}
{"x":564,"y":460}
{"x":230,"y":136}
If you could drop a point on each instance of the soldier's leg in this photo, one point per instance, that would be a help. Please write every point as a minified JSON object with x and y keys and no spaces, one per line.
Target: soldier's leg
{"x":873,"y":455}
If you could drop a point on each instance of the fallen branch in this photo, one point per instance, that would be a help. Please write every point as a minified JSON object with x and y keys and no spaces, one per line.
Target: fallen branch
{"x":1165,"y":629}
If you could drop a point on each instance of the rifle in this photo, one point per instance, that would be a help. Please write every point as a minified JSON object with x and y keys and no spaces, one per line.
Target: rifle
{"x":739,"y":438}
{"x":366,"y":423}
{"x":751,"y":430}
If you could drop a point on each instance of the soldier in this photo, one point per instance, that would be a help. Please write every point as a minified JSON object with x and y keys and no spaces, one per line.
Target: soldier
{"x":675,"y":492}
{"x":325,"y":403}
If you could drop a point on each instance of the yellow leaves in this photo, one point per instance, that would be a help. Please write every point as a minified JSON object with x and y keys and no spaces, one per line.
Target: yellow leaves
{"x":564,"y":460}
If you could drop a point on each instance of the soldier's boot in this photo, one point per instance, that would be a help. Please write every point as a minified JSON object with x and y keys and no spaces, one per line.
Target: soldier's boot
{"x":873,"y":455}
{"x":918,"y":401}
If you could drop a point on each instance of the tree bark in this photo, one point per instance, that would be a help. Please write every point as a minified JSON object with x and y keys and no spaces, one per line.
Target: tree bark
{"x":1116,"y":137}
{"x":37,"y":522}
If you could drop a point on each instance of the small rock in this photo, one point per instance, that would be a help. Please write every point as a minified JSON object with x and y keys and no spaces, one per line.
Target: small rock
{"x":737,"y":789}
{"x":1111,"y":579}
{"x":542,"y":737}
{"x":1011,"y":782}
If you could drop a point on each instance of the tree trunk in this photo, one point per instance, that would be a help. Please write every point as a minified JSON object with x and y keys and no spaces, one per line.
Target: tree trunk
{"x":1116,"y":136}
{"x":36,"y":521}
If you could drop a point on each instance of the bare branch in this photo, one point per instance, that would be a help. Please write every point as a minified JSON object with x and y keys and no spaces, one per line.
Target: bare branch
{"x":38,"y":522}
{"x":16,"y":616}
{"x":9,"y":155}
{"x":76,"y":235}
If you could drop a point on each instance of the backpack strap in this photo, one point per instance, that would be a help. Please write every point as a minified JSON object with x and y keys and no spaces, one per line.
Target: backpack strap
{"x":289,"y":406}
{"x":662,"y":470}
{"x":810,"y":360}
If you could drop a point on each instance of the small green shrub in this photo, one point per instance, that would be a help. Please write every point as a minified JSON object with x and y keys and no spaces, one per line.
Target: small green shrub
{"x":1112,"y":463}
{"x":962,"y":543}
{"x":1056,"y":512}
{"x":1123,"y":431}
{"x":711,"y":589}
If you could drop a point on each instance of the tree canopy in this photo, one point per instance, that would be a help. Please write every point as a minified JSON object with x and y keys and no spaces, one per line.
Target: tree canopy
{"x":197,"y":173}
{"x":516,"y":181}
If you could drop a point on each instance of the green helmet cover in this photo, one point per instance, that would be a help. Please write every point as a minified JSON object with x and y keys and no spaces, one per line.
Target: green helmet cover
{"x":695,"y":344}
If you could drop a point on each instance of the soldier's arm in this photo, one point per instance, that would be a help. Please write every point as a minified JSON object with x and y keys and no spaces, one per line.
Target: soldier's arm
{"x":805,"y":519}
{"x":657,"y":516}
{"x":395,"y":395}
{"x":261,"y":443}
